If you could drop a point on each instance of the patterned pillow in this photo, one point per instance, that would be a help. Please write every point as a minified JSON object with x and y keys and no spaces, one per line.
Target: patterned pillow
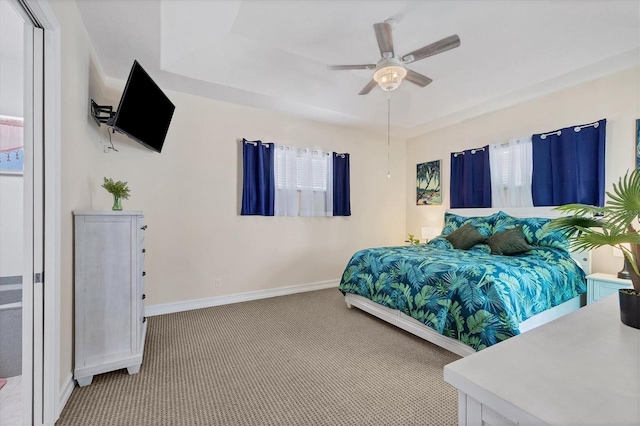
{"x":465,"y":237}
{"x":535,"y":231}
{"x":440,"y":243}
{"x":509,"y":242}
{"x":484,"y":224}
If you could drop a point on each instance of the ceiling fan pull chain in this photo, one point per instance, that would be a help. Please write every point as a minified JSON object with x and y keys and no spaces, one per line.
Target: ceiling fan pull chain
{"x":388,"y":132}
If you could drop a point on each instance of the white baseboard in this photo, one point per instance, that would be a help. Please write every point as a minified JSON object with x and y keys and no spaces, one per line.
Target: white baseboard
{"x":187,"y":305}
{"x":65,"y":394}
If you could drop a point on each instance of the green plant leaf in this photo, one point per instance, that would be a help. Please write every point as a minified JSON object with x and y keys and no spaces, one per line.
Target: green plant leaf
{"x":614,"y":224}
{"x":571,"y":224}
{"x":580,"y":209}
{"x":118,"y":189}
{"x":623,"y":206}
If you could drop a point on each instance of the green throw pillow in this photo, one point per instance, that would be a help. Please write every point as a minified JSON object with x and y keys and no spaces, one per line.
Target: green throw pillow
{"x":509,"y":242}
{"x":465,"y":237}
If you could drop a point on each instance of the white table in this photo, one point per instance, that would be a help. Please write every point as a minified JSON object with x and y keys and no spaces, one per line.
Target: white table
{"x":581,"y":369}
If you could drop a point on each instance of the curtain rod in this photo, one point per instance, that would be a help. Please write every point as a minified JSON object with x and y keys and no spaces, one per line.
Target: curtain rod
{"x":473,"y":151}
{"x":575,"y":129}
{"x":279,"y":146}
{"x":313,"y":151}
{"x":255,"y":143}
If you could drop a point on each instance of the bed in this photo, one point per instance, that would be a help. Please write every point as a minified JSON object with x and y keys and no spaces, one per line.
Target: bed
{"x":465,"y":300}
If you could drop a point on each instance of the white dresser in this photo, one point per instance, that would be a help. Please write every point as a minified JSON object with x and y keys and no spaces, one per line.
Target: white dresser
{"x":110,"y":326}
{"x":581,"y":369}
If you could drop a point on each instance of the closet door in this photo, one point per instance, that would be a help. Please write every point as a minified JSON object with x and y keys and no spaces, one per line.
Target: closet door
{"x":33,"y":277}
{"x":39,"y":40}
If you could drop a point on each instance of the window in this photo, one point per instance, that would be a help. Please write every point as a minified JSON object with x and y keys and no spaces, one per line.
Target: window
{"x":511,"y":166}
{"x":304,"y":182}
{"x":318,"y":172}
{"x":307,"y":167}
{"x":280,"y":180}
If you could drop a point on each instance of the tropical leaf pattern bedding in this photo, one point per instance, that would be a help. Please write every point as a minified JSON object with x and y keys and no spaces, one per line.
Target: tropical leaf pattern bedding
{"x":469,"y":295}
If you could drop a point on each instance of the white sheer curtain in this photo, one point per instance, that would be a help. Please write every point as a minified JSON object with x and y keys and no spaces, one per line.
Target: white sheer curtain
{"x":511,"y":166}
{"x":10,"y":133}
{"x":286,"y":196}
{"x":304,"y":182}
{"x":313,"y":182}
{"x":328,"y":195}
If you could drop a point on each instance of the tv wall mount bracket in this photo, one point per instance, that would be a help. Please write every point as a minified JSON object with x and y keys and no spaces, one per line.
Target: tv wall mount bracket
{"x":102,"y":113}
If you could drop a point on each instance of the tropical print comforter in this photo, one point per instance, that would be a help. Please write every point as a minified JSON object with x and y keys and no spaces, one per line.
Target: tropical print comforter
{"x":469,"y":295}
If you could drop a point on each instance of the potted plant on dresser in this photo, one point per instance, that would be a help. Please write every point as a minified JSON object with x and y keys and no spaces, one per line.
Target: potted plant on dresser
{"x":617,"y":224}
{"x":119,"y":190}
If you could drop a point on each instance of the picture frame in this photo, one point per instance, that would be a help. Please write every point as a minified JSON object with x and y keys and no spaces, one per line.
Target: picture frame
{"x":428,"y":188}
{"x":638,"y":143}
{"x":11,"y":145}
{"x":12,"y":162}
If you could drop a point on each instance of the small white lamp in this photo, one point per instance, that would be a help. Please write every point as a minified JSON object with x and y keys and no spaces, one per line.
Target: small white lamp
{"x":430,"y":232}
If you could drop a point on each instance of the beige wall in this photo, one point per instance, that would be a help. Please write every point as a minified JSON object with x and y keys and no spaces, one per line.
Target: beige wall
{"x":189,"y":193}
{"x":615,"y":98}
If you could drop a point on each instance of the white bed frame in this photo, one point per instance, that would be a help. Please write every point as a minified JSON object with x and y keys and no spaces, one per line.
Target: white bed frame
{"x":415,"y":327}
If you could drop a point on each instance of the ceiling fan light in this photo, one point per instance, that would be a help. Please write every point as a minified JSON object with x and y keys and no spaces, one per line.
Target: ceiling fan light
{"x":389,"y":78}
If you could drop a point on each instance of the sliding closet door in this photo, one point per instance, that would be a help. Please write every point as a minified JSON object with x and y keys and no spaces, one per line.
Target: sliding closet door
{"x":40,"y":103}
{"x":42,"y":394}
{"x":32,"y":284}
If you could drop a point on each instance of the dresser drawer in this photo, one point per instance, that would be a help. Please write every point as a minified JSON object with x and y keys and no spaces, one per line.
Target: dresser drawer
{"x":600,"y":286}
{"x":141,"y":230}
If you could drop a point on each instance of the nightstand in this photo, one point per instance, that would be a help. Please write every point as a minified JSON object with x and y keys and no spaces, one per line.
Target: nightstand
{"x":602,"y":285}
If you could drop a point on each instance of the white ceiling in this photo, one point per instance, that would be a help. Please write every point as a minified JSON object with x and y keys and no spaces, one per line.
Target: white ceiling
{"x":274,"y":54}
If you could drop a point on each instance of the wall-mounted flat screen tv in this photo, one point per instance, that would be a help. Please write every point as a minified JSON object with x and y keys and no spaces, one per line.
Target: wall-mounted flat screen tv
{"x":144,"y":112}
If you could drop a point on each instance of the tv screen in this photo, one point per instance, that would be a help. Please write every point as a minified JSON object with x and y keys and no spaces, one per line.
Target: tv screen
{"x":144,"y":112}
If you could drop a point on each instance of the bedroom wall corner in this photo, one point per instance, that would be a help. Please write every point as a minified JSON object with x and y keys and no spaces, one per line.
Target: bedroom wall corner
{"x":80,"y":156}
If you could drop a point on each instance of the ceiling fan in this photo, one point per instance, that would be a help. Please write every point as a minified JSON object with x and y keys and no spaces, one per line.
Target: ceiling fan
{"x":391,"y":70}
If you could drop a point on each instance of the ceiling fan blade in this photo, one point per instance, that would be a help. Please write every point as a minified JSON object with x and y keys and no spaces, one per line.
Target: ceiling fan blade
{"x":385,"y":39}
{"x":352,"y":67}
{"x":417,"y":78}
{"x":369,"y":87}
{"x":440,"y":46}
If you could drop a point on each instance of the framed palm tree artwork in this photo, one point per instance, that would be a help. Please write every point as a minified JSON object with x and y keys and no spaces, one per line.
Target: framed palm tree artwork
{"x":428,"y":190}
{"x":638,"y":144}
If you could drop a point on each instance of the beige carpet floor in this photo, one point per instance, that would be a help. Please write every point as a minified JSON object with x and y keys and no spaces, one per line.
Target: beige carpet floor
{"x":303,"y":359}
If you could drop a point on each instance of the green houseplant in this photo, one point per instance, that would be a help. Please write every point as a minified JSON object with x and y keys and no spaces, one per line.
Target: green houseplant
{"x":118,"y":189}
{"x":413,"y":241}
{"x":617,"y":225}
